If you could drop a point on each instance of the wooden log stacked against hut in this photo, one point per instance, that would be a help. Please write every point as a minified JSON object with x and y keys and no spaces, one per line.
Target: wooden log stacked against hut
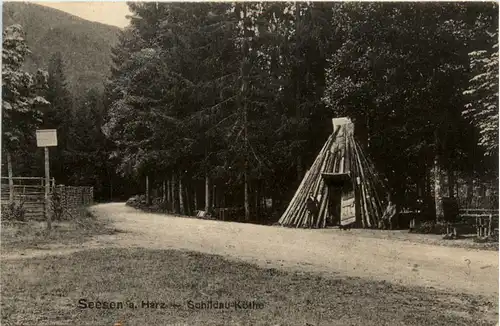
{"x":341,"y":155}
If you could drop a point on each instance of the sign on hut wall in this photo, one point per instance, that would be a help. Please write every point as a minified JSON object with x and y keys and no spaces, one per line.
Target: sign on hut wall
{"x":348,"y":209}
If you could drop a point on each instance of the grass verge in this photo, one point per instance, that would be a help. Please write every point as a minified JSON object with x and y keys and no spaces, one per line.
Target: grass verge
{"x":34,"y":234}
{"x":46,"y":291}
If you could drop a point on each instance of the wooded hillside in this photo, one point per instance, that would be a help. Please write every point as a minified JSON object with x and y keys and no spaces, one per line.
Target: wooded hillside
{"x":84,"y":45}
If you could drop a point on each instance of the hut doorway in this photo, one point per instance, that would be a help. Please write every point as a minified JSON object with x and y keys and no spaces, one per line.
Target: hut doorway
{"x":334,"y":204}
{"x":341,"y":199}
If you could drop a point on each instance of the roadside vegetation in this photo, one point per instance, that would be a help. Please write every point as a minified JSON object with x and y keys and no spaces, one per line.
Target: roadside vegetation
{"x":20,"y":235}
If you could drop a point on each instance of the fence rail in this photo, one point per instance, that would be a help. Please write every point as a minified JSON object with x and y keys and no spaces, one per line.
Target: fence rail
{"x":39,"y":181}
{"x":64,"y":201}
{"x":477,"y":212}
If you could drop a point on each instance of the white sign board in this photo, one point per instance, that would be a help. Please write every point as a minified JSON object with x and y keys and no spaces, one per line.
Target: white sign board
{"x":348,"y":211}
{"x":46,"y":137}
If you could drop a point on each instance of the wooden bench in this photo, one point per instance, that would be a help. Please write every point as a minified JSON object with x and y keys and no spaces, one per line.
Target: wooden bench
{"x":486,"y":220}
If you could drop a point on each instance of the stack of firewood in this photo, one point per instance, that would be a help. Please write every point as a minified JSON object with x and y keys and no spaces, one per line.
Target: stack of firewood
{"x":340,"y":154}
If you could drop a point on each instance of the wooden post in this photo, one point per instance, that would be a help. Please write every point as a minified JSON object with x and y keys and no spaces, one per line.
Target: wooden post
{"x":451,"y":183}
{"x":181,"y":195}
{"x":490,"y":224}
{"x":195,"y":198}
{"x":147,"y":190}
{"x":169,"y":197}
{"x":478,"y":231}
{"x":175,"y":205}
{"x":257,"y":211}
{"x":187,"y":199}
{"x":207,"y":193}
{"x":47,"y":189}
{"x":214,"y":195}
{"x":469,"y":190}
{"x":163,"y":192}
{"x":11,"y":180}
{"x":438,"y":183}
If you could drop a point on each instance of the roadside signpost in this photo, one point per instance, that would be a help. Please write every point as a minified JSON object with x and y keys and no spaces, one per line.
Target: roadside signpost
{"x":47,"y":138}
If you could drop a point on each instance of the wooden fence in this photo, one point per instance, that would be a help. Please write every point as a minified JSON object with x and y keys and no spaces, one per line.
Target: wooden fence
{"x":30,"y":192}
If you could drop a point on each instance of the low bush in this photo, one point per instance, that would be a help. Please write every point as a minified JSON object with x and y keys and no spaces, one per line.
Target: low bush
{"x":58,"y":210}
{"x":137,"y":201}
{"x":14,"y":211}
{"x":159,"y":205}
{"x":430,"y":227}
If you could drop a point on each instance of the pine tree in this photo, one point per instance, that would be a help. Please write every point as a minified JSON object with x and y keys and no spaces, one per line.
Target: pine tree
{"x":58,"y":116}
{"x":483,"y":92}
{"x":21,"y":101}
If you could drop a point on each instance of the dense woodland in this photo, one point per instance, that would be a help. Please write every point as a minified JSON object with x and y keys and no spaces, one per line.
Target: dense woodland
{"x":222,"y":104}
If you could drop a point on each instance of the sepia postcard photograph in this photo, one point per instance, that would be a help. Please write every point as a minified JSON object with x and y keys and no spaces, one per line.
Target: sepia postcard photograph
{"x":328,"y":163}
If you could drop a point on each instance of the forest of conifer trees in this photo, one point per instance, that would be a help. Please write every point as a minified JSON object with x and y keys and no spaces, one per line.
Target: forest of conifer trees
{"x":227,"y":105}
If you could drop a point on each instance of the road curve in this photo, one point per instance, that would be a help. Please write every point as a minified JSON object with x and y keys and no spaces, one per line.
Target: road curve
{"x":326,"y":251}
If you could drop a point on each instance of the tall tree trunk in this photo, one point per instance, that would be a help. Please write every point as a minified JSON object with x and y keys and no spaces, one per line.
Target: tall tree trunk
{"x":297,"y":94}
{"x":189,"y":198}
{"x":427,"y":187}
{"x":147,"y":191}
{"x":214,"y":197}
{"x":11,"y":180}
{"x":223,"y":199}
{"x":470,"y":190}
{"x":257,"y":200}
{"x":169,"y":196}
{"x":181,"y":196}
{"x":175,"y":203}
{"x":195,"y":197}
{"x":207,"y":193}
{"x":300,"y":168}
{"x":438,"y":184}
{"x":164,"y":191}
{"x":420,"y":187}
{"x":247,"y":199}
{"x":451,"y":183}
{"x":243,"y":98}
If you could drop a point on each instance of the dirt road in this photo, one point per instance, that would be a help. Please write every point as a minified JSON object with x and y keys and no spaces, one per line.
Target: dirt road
{"x":326,"y":251}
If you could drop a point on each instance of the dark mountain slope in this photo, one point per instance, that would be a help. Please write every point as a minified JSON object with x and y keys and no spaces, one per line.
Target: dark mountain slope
{"x":85,"y":45}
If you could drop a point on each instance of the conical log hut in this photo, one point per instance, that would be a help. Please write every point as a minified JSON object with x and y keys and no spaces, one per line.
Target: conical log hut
{"x":343,"y":180}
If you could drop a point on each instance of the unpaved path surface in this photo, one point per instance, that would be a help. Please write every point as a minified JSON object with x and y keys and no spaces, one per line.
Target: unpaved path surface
{"x":325,"y":251}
